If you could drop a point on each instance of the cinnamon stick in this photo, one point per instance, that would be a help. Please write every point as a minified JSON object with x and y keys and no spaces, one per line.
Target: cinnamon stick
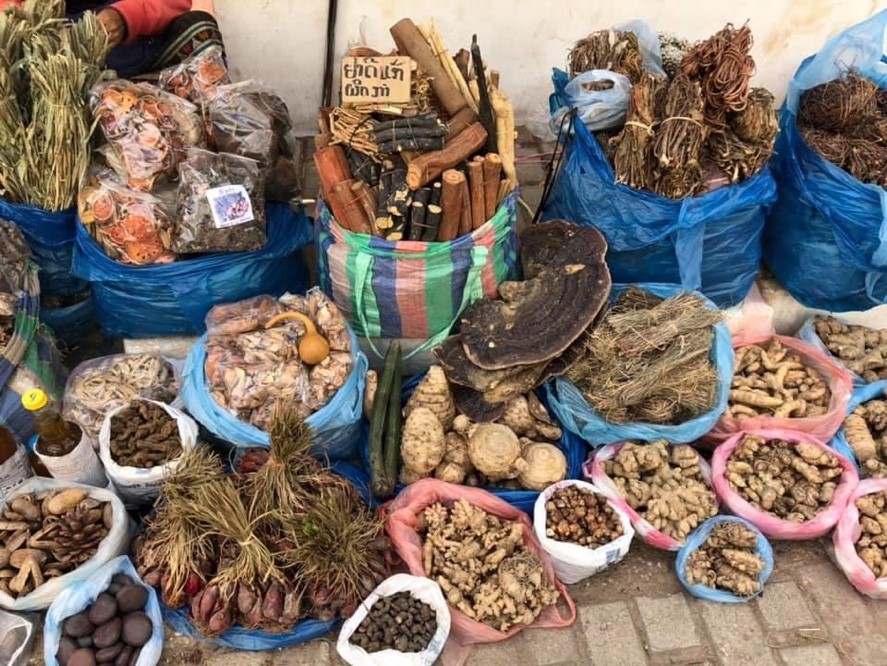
{"x":350,"y":209}
{"x":492,"y":173}
{"x":451,"y":204}
{"x":367,"y":199}
{"x":332,"y":168}
{"x":465,"y":221}
{"x":476,"y":184}
{"x":429,"y":166}
{"x":461,"y":121}
{"x":410,"y":42}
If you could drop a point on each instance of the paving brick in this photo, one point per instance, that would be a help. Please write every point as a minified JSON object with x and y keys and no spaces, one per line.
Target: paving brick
{"x":736,"y":634}
{"x":608,"y":625}
{"x":235,"y":658}
{"x":841,"y":607}
{"x":783,"y":607}
{"x":511,"y":652}
{"x":668,"y":623}
{"x":315,"y":653}
{"x":554,"y":646}
{"x":531,"y":173}
{"x":811,"y":655}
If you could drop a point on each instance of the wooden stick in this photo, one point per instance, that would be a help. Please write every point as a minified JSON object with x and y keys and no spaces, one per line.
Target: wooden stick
{"x":433,"y":215}
{"x":492,"y":172}
{"x":436,"y":191}
{"x":417,"y":214}
{"x":410,"y":42}
{"x":476,"y":183}
{"x":461,"y":121}
{"x":435,"y":41}
{"x":462,"y":58}
{"x":465,"y":221}
{"x":451,"y":204}
{"x":484,"y":108}
{"x":351,"y":213}
{"x":494,"y":78}
{"x":505,"y":134}
{"x":430,"y":165}
{"x":367,"y":199}
{"x":332,"y":168}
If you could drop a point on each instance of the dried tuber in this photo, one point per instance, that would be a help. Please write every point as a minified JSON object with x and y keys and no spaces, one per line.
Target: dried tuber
{"x":546,"y":464}
{"x":793,"y":482}
{"x":862,"y":350}
{"x":578,"y":515}
{"x":433,"y":393}
{"x":495,"y":451}
{"x":399,"y":622}
{"x":770,"y":380}
{"x":423,"y":443}
{"x":866,"y":433}
{"x":533,"y":423}
{"x":872,"y":543}
{"x":483,"y":566}
{"x":664,"y":484}
{"x":727,"y":560}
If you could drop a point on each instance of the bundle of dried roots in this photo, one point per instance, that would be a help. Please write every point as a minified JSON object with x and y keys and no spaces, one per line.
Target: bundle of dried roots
{"x":679,"y":142}
{"x":633,"y":155}
{"x":614,"y":50}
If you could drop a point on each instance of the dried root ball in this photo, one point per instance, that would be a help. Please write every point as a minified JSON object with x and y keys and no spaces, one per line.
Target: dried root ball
{"x":861,"y":349}
{"x":520,"y":418}
{"x":872,"y":543}
{"x":495,"y":451}
{"x":456,"y":464}
{"x":546,"y":464}
{"x":578,"y":515}
{"x":727,"y":560}
{"x":422,"y":443}
{"x":433,"y":393}
{"x":791,"y":482}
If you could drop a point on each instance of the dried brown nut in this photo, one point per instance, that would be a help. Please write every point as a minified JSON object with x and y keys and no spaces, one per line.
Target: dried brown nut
{"x":108,"y":634}
{"x":78,"y":626}
{"x":103,"y":609}
{"x":137,"y":628}
{"x":131,"y":598}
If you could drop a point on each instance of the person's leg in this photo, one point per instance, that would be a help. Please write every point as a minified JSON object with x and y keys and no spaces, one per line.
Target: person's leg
{"x":188,"y":35}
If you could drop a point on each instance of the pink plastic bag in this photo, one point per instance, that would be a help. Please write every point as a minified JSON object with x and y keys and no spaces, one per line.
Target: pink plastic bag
{"x":823,"y":427}
{"x":594,"y":471}
{"x":769,"y":524}
{"x":402,"y":526}
{"x":845,"y":536}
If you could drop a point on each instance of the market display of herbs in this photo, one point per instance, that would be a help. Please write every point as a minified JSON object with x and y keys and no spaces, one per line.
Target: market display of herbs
{"x":111,"y":630}
{"x":770,"y":379}
{"x":98,"y":388}
{"x":264,"y":351}
{"x":48,"y":534}
{"x":664,"y":485}
{"x":649,"y":359}
{"x":866,"y":432}
{"x":793,"y":482}
{"x":861,"y":349}
{"x":578,"y":515}
{"x":144,"y":435}
{"x":727,"y":560}
{"x":432,"y":169}
{"x":845,"y":121}
{"x":699,"y":127}
{"x":872,"y":543}
{"x":266,"y":547}
{"x":512,"y":344}
{"x":483,"y":566}
{"x":47,"y":66}
{"x":399,"y":622}
{"x":197,"y":79}
{"x":132,"y":227}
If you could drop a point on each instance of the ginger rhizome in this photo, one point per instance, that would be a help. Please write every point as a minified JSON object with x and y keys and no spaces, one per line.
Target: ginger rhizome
{"x":727,"y":560}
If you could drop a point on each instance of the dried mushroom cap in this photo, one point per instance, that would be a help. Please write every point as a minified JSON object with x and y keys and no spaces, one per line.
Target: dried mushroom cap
{"x":537,"y":319}
{"x":556,"y":243}
{"x":471,"y":403}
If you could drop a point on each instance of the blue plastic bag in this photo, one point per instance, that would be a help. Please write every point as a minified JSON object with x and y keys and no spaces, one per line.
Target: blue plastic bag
{"x":173,"y":299}
{"x":575,"y":414}
{"x":696,"y":539}
{"x":598,"y":109}
{"x":78,"y":596}
{"x":572,"y":446}
{"x":72,"y":323}
{"x":337,"y":425}
{"x":860,"y":395}
{"x":825,"y":222}
{"x":51,"y":239}
{"x":710,"y":243}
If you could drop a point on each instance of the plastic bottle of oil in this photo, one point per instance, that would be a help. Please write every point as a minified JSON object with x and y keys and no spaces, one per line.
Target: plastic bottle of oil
{"x":57,"y":436}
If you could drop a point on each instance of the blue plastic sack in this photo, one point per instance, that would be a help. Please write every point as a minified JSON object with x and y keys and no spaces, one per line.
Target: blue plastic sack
{"x":72,"y":323}
{"x":337,"y":425}
{"x":173,"y":299}
{"x":825,"y":222}
{"x":710,"y":243}
{"x":51,"y":239}
{"x":78,"y":596}
{"x":576,"y":415}
{"x":572,"y":446}
{"x":696,"y":539}
{"x":597,"y":109}
{"x":860,"y":395}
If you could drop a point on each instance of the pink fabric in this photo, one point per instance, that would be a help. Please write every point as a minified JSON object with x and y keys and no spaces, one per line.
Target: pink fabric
{"x":651,"y":536}
{"x":148,"y":18}
{"x":845,"y":536}
{"x":402,"y":524}
{"x":769,"y":524}
{"x":823,"y":427}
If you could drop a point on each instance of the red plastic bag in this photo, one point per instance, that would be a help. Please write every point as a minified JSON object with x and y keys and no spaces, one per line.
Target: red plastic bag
{"x":770,"y":525}
{"x":845,"y":536}
{"x":823,"y":427}
{"x":402,"y":526}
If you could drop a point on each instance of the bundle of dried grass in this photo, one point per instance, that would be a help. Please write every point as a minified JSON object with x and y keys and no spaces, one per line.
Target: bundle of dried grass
{"x":633,"y":156}
{"x":615,"y":50}
{"x":649,"y":360}
{"x":840,"y":104}
{"x":678,"y":144}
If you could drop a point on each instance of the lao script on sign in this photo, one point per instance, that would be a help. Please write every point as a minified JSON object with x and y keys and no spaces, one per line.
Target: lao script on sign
{"x":376,"y":79}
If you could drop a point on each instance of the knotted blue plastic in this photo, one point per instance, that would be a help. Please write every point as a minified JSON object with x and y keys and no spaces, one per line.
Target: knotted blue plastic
{"x":173,"y":299}
{"x":575,"y":414}
{"x":826,"y":237}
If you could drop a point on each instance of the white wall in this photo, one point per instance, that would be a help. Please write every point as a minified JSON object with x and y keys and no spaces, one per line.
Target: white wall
{"x":282,"y":41}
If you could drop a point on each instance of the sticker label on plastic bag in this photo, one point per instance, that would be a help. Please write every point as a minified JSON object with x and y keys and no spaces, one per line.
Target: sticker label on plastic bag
{"x":14,"y":472}
{"x":230,"y":205}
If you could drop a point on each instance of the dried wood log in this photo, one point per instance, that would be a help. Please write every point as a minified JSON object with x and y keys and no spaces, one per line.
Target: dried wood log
{"x":432,"y":222}
{"x":451,"y":204}
{"x":476,"y":185}
{"x":460,"y":122}
{"x":466,"y":222}
{"x":332,"y":167}
{"x":350,"y":209}
{"x":492,"y":172}
{"x":417,"y":228}
{"x":484,"y":110}
{"x":436,"y":130}
{"x":367,"y":199}
{"x":436,"y":191}
{"x":411,"y":145}
{"x":505,"y":136}
{"x":462,"y":60}
{"x":429,"y":166}
{"x":439,"y":48}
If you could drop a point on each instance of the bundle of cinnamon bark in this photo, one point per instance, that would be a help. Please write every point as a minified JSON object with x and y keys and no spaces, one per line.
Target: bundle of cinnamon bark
{"x":433,"y":169}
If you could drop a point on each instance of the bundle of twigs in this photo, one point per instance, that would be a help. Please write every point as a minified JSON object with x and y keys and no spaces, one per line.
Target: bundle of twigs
{"x":614,"y":50}
{"x":633,"y":156}
{"x":678,"y":144}
{"x":353,"y":129}
{"x":650,"y":360}
{"x":844,"y":103}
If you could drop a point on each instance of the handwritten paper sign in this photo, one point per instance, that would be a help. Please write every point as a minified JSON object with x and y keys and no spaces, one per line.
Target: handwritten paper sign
{"x":376,"y":79}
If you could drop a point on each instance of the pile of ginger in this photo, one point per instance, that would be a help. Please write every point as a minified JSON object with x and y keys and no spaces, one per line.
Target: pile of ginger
{"x":866,"y":432}
{"x":872,"y":543}
{"x":483,"y":566}
{"x":861,"y":349}
{"x":727,"y":560}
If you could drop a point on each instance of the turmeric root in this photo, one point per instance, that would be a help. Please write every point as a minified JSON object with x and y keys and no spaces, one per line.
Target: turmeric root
{"x":727,"y":560}
{"x":863,"y":350}
{"x":866,"y":433}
